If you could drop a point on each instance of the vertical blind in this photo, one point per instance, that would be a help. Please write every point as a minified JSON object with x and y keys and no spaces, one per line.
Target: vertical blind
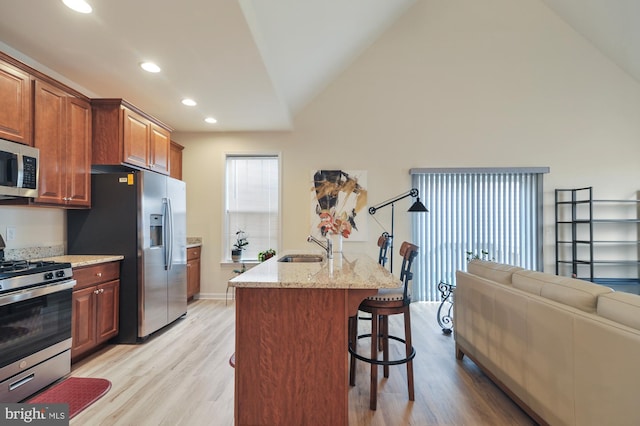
{"x":495,"y":214}
{"x":252,"y":203}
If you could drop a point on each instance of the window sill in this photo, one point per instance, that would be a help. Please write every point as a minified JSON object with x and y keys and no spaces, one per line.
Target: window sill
{"x":234,"y":264}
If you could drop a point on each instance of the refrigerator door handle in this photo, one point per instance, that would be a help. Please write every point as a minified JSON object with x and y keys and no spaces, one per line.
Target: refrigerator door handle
{"x":165,"y":232}
{"x":170,"y":235}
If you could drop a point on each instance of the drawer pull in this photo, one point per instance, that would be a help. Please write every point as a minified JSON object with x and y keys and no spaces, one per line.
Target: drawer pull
{"x":99,"y":274}
{"x":24,"y":380}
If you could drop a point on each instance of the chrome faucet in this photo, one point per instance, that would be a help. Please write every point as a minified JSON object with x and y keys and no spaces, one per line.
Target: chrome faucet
{"x":328,"y":247}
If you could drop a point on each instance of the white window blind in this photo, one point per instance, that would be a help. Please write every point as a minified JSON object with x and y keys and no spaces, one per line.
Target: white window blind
{"x":498,"y":211}
{"x":252,"y":203}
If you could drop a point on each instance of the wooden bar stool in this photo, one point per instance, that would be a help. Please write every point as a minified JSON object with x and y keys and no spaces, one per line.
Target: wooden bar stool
{"x":386,"y":302}
{"x":384,"y":241}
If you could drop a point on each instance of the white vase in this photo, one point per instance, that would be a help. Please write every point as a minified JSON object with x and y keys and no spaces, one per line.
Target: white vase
{"x":337,"y":243}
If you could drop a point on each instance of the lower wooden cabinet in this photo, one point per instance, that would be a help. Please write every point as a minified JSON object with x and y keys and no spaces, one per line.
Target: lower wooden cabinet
{"x":95,"y":317}
{"x":193,"y":272}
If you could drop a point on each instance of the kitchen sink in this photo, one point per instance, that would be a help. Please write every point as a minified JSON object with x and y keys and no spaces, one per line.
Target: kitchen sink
{"x":301,"y":258}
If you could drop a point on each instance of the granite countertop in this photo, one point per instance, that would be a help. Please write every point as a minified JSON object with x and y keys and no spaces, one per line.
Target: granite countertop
{"x":78,"y":260}
{"x":194,"y":242}
{"x":345,"y":270}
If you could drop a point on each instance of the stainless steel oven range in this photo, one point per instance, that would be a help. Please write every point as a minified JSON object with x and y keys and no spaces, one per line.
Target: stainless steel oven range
{"x":35,"y":326}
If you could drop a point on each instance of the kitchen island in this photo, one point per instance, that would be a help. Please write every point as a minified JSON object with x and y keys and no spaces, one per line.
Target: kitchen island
{"x":291,"y":354}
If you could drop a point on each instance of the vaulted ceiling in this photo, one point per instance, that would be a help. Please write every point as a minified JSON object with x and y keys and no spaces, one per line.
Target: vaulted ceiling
{"x":251,"y":64}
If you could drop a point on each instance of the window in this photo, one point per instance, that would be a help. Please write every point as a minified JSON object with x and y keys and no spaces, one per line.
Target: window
{"x":497,"y":211}
{"x":252,"y":203}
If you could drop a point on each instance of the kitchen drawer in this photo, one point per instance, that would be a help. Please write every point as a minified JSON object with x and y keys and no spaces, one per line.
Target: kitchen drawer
{"x":94,"y":274}
{"x":193,"y":253}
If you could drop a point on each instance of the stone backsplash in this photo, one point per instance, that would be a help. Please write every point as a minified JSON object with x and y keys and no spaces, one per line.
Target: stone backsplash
{"x":33,"y":252}
{"x":52,"y":251}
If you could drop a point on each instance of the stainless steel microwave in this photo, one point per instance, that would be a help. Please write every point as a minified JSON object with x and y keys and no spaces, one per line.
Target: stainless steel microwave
{"x":19,"y":165}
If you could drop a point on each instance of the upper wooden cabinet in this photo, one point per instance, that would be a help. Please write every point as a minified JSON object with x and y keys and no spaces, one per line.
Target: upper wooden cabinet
{"x":136,"y":139}
{"x":124,"y":134}
{"x":176,"y":160}
{"x":40,"y":111}
{"x":159,"y":158}
{"x":62,"y":133}
{"x":15,"y":104}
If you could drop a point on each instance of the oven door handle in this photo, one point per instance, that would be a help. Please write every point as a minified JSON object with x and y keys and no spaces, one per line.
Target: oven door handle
{"x":34,"y":292}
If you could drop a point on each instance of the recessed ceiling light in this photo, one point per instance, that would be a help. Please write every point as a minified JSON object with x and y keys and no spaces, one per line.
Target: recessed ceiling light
{"x":211,"y":120}
{"x":150,"y":67}
{"x":78,"y":5}
{"x":189,"y":102}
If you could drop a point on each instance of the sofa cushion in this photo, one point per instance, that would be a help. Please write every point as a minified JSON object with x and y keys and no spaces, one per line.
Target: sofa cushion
{"x":620,"y":307}
{"x":498,"y":272}
{"x":533,"y":281}
{"x":580,"y":294}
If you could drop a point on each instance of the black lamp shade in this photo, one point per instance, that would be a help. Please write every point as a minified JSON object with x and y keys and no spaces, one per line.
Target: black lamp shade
{"x":417,"y":207}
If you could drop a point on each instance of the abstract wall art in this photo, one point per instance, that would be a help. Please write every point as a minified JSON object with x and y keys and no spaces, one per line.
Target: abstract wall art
{"x":338,"y":204}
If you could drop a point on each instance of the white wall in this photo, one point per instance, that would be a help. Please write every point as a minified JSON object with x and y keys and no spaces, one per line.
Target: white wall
{"x":455,"y":83}
{"x":452,"y":84}
{"x":34,"y":226}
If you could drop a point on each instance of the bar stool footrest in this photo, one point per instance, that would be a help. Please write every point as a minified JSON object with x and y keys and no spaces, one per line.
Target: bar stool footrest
{"x":383,"y":362}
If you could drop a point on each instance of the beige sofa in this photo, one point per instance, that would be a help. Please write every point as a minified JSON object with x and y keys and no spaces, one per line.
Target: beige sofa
{"x":566,"y":350}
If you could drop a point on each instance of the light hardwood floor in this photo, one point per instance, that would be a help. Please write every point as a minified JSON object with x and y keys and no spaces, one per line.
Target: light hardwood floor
{"x":182,"y":377}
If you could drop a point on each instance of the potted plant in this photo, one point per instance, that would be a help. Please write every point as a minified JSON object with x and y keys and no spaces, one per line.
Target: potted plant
{"x":484,"y":255}
{"x":267,"y":254}
{"x":240,"y":244}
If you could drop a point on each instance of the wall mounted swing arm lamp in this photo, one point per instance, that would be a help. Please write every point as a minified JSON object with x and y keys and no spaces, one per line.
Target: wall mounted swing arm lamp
{"x":416,"y":207}
{"x":413,"y":192}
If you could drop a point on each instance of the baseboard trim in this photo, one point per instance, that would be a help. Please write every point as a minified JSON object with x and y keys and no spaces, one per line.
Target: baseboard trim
{"x":216,"y":296}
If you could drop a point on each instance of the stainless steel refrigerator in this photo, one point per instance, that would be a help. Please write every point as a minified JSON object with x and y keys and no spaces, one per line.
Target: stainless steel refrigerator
{"x":141,"y":215}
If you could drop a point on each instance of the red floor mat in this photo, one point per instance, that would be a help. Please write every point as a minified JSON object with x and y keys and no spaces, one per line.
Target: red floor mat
{"x":78,"y":392}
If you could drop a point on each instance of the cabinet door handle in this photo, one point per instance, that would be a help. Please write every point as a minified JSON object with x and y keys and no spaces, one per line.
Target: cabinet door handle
{"x":96,"y":291}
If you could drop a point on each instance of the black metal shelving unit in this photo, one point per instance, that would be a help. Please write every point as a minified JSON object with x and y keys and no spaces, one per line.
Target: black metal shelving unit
{"x":588,"y":245}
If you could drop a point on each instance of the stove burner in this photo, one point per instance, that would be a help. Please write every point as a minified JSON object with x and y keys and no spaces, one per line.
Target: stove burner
{"x":13,"y":265}
{"x":16,"y":274}
{"x":19,"y":265}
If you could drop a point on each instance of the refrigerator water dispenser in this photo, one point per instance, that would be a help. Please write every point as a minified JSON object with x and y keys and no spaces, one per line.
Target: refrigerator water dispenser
{"x":155,"y":222}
